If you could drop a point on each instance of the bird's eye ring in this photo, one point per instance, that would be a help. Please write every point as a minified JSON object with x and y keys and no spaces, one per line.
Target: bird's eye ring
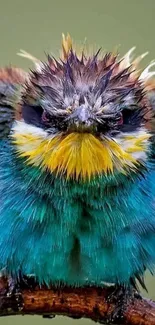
{"x":45,"y":117}
{"x":120,"y":120}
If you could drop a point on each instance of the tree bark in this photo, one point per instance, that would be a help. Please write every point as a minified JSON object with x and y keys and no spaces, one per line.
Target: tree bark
{"x":87,"y":302}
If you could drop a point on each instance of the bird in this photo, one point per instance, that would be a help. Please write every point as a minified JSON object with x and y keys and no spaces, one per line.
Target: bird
{"x":77,"y":169}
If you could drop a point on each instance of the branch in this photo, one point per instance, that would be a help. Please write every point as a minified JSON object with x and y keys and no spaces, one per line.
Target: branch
{"x":89,"y":302}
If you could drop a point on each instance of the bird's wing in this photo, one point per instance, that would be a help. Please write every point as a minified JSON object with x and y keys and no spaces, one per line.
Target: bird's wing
{"x":150,"y":89}
{"x":11,"y":85}
{"x":150,"y":124}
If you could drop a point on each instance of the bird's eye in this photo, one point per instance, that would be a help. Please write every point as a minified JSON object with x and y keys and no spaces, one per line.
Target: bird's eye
{"x":133,"y":117}
{"x":45,"y":117}
{"x":32,"y":114}
{"x":120,"y":120}
{"x":128,"y":115}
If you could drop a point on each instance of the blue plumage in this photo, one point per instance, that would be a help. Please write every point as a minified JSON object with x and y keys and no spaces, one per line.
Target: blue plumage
{"x":60,"y":230}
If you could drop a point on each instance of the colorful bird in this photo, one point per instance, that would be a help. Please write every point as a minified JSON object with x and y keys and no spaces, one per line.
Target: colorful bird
{"x":77,"y":169}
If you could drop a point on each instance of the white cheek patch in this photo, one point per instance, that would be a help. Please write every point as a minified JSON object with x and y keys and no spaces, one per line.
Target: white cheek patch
{"x":140,"y":155}
{"x":125,"y":142}
{"x":23,"y":128}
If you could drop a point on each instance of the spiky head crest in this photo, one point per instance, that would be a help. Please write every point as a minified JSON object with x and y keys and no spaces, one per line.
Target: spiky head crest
{"x":101,"y":84}
{"x":94,"y":94}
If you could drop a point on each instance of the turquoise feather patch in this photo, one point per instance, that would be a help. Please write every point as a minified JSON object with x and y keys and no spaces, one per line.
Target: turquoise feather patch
{"x":73,"y":232}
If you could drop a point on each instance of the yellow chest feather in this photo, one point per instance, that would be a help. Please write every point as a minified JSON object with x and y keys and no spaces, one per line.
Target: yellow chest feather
{"x":76,"y":154}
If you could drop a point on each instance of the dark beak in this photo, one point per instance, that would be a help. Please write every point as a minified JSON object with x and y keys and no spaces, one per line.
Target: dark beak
{"x":81,"y":115}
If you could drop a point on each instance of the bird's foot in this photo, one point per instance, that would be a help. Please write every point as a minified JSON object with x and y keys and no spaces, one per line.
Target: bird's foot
{"x":13,"y":286}
{"x":121,"y":297}
{"x":14,"y":294}
{"x":27,"y":281}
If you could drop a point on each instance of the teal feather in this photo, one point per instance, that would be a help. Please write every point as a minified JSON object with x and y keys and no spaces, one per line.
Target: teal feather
{"x":74,"y":232}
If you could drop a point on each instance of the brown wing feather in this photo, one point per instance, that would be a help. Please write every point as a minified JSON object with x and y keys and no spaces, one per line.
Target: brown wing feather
{"x":11,"y":83}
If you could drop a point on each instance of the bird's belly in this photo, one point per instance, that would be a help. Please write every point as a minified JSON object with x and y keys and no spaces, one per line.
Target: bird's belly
{"x":79,"y":240}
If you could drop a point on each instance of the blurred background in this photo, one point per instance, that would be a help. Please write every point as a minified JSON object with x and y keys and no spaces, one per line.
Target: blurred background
{"x":36,"y":26}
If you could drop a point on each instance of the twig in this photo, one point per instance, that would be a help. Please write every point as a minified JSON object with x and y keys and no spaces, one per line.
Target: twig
{"x":88,"y":302}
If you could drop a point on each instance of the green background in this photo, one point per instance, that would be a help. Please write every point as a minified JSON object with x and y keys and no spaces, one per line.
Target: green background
{"x":36,"y":26}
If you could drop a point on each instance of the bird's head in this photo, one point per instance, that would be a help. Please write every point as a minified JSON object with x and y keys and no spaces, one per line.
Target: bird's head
{"x":84,"y":115}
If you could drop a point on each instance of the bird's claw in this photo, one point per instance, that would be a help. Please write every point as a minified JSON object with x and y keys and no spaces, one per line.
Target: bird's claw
{"x":14,"y":293}
{"x":121,"y":297}
{"x":13,"y":287}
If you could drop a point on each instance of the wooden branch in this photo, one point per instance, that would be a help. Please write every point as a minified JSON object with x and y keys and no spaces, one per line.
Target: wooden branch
{"x":88,"y":302}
